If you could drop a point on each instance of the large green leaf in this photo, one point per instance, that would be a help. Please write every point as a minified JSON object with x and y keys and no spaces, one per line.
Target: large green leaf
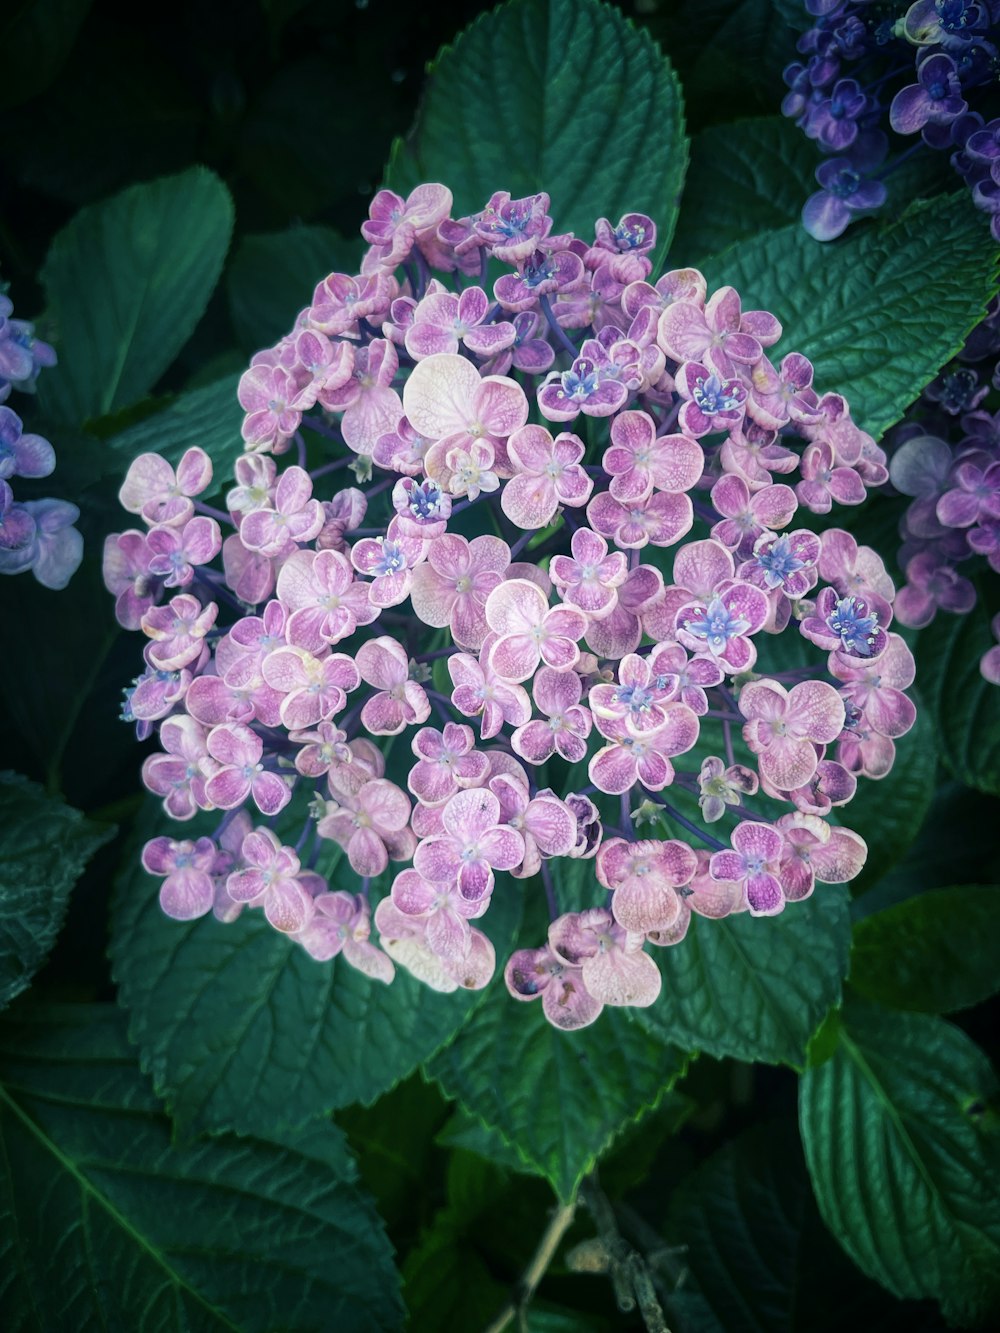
{"x":104,"y":1223}
{"x":272,"y":277}
{"x":933,"y":953}
{"x":127,"y":281}
{"x":889,"y":813}
{"x":966,"y":706}
{"x":242,"y":1030}
{"x":209,"y":417}
{"x":766,"y":163}
{"x":559,"y":1098}
{"x":755,"y":988}
{"x":758,"y":1253}
{"x":564,"y":96}
{"x":879,"y":312}
{"x":902,"y":1150}
{"x":44,"y":846}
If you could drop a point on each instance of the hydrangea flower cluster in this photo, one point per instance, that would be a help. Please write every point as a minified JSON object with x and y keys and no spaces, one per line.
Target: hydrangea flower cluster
{"x":927,"y":70}
{"x":34,"y":534}
{"x":946,"y":457}
{"x":571,"y":479}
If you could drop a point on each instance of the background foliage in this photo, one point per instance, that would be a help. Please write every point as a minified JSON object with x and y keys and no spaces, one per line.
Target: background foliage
{"x":199,"y":1127}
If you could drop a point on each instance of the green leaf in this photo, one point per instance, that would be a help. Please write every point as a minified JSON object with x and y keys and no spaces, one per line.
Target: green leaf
{"x":765,"y":162}
{"x":466,"y":1131}
{"x":904,"y":1158}
{"x":852,"y":307}
{"x":755,"y":988}
{"x":272,"y":277}
{"x":565,"y":96}
{"x":889,"y":813}
{"x":105,"y":1224}
{"x":757,"y":1251}
{"x":933,"y":953}
{"x":447,"y":1284}
{"x":36,"y":39}
{"x":209,"y":417}
{"x":558,"y":1098}
{"x":44,"y":846}
{"x":127,"y":281}
{"x":242,"y":1030}
{"x":966,"y":706}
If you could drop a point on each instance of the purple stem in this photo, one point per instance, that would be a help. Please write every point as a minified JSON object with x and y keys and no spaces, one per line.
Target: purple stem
{"x":678,"y":818}
{"x":521,"y":543}
{"x":218,"y":514}
{"x":300,"y":446}
{"x":550,"y":891}
{"x":727,"y":733}
{"x":321,"y":428}
{"x":332,"y":467}
{"x":557,"y":328}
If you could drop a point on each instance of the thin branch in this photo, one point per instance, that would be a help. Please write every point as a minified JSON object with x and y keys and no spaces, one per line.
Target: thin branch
{"x":630,"y":1276}
{"x":560,"y":1223}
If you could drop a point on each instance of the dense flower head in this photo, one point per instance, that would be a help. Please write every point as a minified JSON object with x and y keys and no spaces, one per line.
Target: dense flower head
{"x":924,"y":71}
{"x":505,"y":645}
{"x":945,"y":459}
{"x":34,"y":534}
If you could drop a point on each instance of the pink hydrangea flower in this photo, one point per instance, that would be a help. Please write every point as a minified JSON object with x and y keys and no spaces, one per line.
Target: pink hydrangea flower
{"x":269,"y":878}
{"x":313,"y":688}
{"x":528,"y":631}
{"x":644,"y":877}
{"x":746,"y":516}
{"x":443,"y":321}
{"x":784,"y":727}
{"x":753,"y":864}
{"x":813,"y":850}
{"x":662,"y":519}
{"x":719,"y":334}
{"x":451,"y":588}
{"x":722,"y":626}
{"x":187,"y":891}
{"x":296,"y":517}
{"x":614,"y":968}
{"x":531,"y":974}
{"x":876,"y":688}
{"x":152,"y":488}
{"x":371,"y":824}
{"x":126,"y":576}
{"x":404,"y":938}
{"x":480,"y":692}
{"x":620,"y":631}
{"x":237,"y":751}
{"x":566,"y":726}
{"x":326,"y":603}
{"x":628,"y":758}
{"x":174,"y":552}
{"x":371,"y":406}
{"x":390,"y":560}
{"x":547,"y":473}
{"x":684,"y":678}
{"x":400,"y":701}
{"x":547,"y":824}
{"x":341,"y":926}
{"x":444,"y":912}
{"x":472,"y":846}
{"x":719,"y":786}
{"x":447,"y":761}
{"x":178,"y":631}
{"x":448,"y":401}
{"x":639,"y":462}
{"x":825,"y":481}
{"x":589,"y":578}
{"x":178,"y":775}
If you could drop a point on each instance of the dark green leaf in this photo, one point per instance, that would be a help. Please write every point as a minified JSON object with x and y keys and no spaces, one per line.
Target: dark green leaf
{"x":934,"y":953}
{"x":105,"y":1224}
{"x":966,"y":706}
{"x":766,"y":163}
{"x":564,"y":96}
{"x":447,"y":1284}
{"x":758,"y":1253}
{"x":755,"y":988}
{"x":242,"y":1030}
{"x":127,"y":281}
{"x":44,"y":846}
{"x":272,"y":277}
{"x":852,"y":309}
{"x":209,"y":417}
{"x":36,"y":39}
{"x":889,"y":813}
{"x":903,"y":1156}
{"x":558,"y":1098}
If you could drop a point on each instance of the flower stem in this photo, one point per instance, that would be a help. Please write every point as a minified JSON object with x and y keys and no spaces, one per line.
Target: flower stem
{"x":559,"y":1224}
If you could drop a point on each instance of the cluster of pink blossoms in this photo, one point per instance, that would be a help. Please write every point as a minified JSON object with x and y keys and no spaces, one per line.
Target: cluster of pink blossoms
{"x":625,"y":436}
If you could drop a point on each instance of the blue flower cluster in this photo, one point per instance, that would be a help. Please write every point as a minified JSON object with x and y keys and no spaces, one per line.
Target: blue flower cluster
{"x":36,"y":534}
{"x":924,"y":69}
